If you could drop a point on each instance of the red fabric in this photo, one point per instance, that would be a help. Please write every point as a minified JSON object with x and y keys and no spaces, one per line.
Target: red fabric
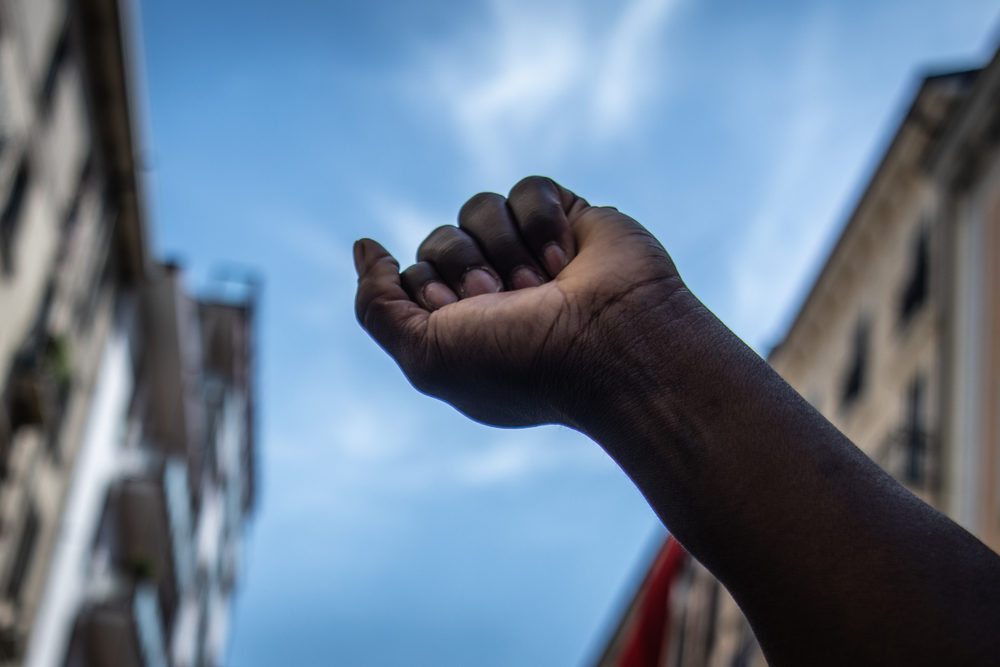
{"x":647,"y":638}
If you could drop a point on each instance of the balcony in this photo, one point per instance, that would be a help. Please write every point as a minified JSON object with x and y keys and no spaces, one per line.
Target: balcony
{"x":13,"y":633}
{"x":127,"y":632}
{"x":15,"y":499}
{"x":172,"y":374}
{"x":155,"y":537}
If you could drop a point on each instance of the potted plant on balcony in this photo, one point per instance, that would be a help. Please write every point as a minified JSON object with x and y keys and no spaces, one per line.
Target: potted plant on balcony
{"x":40,"y":379}
{"x":142,"y":568}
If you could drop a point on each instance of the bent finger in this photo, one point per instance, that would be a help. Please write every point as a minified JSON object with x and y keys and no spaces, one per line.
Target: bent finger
{"x":487,"y":218}
{"x":382,"y":306}
{"x":459,"y":260}
{"x":425,"y":286}
{"x":541,"y":208}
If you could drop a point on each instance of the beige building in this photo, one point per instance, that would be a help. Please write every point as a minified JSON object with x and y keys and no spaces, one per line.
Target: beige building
{"x":126,"y":406}
{"x":898,"y":341}
{"x":71,"y":243}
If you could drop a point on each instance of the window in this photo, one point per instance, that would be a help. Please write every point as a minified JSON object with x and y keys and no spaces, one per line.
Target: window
{"x":854,"y":381}
{"x":712,"y":619}
{"x":88,"y":300}
{"x":7,"y":121}
{"x":10,"y":219}
{"x":915,"y":440}
{"x":59,"y":56}
{"x":25,"y":551}
{"x":916,"y":288}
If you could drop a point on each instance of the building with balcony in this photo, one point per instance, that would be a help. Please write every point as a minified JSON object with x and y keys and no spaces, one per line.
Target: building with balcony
{"x":127,"y":468}
{"x":162,"y":492}
{"x":897,"y":343}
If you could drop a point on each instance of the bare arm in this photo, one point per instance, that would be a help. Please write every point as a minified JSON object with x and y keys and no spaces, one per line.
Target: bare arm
{"x":831,"y":560}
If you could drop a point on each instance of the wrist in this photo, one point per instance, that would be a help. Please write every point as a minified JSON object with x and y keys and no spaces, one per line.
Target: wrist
{"x":642,"y":365}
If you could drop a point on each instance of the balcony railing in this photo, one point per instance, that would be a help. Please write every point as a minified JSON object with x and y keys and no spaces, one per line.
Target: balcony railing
{"x":39,"y":381}
{"x":126,"y":632}
{"x":913,"y":457}
{"x":155,"y":527}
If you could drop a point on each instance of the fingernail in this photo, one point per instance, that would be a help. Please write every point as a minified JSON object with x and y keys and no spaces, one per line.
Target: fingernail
{"x":525,"y":276}
{"x":479,"y":281}
{"x":438,"y":295}
{"x":359,"y":256}
{"x":555,"y":258}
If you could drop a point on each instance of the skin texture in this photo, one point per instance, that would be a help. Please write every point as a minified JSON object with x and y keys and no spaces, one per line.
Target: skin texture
{"x":539,"y":308}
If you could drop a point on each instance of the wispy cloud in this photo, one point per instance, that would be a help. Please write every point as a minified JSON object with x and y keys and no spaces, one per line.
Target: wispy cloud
{"x":626,"y":75}
{"x":802,"y":194}
{"x":379,"y":451}
{"x":404,"y":224}
{"x":316,"y":244}
{"x":537,"y":77}
{"x":516,"y":456}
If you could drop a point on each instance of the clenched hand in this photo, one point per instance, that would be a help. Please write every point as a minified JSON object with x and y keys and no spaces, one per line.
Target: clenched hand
{"x":527,"y":311}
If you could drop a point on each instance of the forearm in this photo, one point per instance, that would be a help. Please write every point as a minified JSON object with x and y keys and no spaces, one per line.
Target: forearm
{"x":832,"y":561}
{"x":819,"y":546}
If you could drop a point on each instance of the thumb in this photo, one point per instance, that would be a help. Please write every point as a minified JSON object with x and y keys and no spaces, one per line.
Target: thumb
{"x":383,"y":307}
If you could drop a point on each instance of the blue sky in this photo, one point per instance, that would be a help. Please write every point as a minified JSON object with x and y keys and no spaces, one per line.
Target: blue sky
{"x":391,"y":530}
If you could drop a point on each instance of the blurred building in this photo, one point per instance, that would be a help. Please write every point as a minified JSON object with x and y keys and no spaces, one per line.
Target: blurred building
{"x":126,"y":406}
{"x":897,"y":343}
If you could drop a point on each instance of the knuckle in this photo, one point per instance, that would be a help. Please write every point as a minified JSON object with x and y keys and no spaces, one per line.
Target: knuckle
{"x":437,"y":240}
{"x":413,"y":272}
{"x":410,"y":284}
{"x":531,"y":185}
{"x":443,"y":230}
{"x":450,"y":245}
{"x":540,"y":223}
{"x":414,"y":277}
{"x":477,"y":204}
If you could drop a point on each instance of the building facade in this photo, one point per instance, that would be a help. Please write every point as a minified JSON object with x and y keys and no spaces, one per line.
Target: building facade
{"x":127,"y":406}
{"x":898,"y":341}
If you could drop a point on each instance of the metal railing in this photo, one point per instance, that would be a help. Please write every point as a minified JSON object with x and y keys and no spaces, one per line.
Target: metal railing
{"x":912,"y":456}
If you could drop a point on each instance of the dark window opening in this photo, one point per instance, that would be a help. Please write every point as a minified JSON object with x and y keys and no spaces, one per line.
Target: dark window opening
{"x":917,"y":287}
{"x":916,"y":435}
{"x":11,"y":217}
{"x":25,"y":551}
{"x":72,"y":215}
{"x":87,"y":304}
{"x":713,"y":617}
{"x":59,"y":57}
{"x":854,"y":382}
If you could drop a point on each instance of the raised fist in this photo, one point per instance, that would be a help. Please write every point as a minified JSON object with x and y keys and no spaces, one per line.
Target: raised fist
{"x":529,"y":311}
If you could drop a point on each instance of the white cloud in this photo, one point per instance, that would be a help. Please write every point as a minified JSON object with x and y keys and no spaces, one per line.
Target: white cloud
{"x":802,"y":195}
{"x":315,"y":244}
{"x":376,"y":452}
{"x":496,"y":462}
{"x":361,"y":431}
{"x":537,"y":77}
{"x":405,"y":225}
{"x":516,"y":456}
{"x":626,"y":75}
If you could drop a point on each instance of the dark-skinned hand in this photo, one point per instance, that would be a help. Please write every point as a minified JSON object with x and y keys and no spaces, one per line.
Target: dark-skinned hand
{"x":525,"y":309}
